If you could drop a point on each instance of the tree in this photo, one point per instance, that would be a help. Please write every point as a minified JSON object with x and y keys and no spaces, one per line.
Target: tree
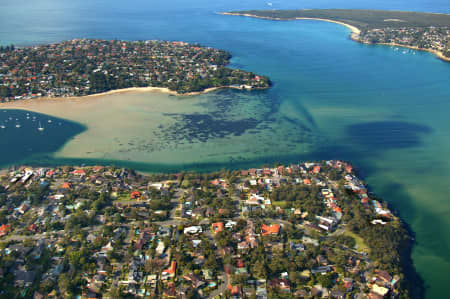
{"x":63,"y":283}
{"x":259,"y":270}
{"x":192,"y":294}
{"x":211,"y":263}
{"x":327,"y":280}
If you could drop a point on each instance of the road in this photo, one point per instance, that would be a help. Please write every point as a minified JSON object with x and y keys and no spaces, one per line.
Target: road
{"x":222,"y":288}
{"x":46,"y":234}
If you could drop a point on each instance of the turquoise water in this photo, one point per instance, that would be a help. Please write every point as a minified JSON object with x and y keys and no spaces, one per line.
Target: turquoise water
{"x":384,"y":110}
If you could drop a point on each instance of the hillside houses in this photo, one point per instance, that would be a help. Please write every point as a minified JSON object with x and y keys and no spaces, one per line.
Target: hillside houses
{"x":98,"y":231}
{"x":432,"y":38}
{"x":86,"y":66}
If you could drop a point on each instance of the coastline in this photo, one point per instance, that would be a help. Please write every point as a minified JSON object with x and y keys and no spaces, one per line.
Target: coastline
{"x":438,"y":54}
{"x":355,"y":30}
{"x":354,"y":35}
{"x":18,"y":103}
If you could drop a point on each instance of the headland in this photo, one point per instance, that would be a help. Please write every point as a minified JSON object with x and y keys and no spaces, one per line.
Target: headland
{"x":419,"y":31}
{"x":85,"y":67}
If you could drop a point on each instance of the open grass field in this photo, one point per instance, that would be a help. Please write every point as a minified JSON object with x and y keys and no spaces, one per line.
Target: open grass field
{"x":360,"y":244}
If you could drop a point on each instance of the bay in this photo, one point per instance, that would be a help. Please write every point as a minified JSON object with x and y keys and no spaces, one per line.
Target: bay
{"x":383,"y":110}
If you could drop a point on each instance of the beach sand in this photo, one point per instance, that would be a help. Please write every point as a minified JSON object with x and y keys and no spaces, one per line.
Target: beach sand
{"x":355,"y":30}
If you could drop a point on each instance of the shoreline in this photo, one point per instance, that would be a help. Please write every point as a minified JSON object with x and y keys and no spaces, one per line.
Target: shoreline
{"x":119,"y":91}
{"x":354,"y":29}
{"x":438,"y":54}
{"x":354,"y":35}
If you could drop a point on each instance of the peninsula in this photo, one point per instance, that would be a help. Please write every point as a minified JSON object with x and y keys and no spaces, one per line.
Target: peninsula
{"x":83,"y":67}
{"x":420,"y":31}
{"x":304,"y":230}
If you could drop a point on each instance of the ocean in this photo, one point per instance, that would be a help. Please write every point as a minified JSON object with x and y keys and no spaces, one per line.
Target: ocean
{"x":383,"y":109}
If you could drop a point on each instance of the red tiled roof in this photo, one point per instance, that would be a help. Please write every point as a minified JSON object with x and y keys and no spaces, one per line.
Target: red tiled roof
{"x":273,"y":229}
{"x":97,"y":168}
{"x":135,"y":194}
{"x":234,"y":290}
{"x":172,"y":268}
{"x":239,"y":264}
{"x":338,"y":210}
{"x":79,"y":172}
{"x":4,"y":229}
{"x":217,"y":227}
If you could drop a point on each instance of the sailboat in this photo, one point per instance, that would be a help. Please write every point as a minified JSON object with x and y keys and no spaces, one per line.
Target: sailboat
{"x":40,"y":128}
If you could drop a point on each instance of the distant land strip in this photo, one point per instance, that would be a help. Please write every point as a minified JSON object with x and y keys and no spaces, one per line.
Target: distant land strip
{"x":420,"y":31}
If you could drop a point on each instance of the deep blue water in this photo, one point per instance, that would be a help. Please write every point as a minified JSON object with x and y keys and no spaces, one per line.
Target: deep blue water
{"x":42,"y":21}
{"x":384,"y":110}
{"x":21,"y":139}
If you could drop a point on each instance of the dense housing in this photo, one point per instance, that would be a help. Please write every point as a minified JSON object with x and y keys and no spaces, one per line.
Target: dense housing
{"x":84,"y":66}
{"x":304,"y":230}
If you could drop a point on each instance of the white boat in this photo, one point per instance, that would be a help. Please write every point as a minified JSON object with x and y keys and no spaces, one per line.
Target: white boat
{"x":40,"y":128}
{"x":49,"y":121}
{"x":2,"y":126}
{"x":18,"y":125}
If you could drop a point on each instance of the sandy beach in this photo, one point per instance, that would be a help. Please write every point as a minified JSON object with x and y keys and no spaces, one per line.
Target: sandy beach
{"x":54,"y":105}
{"x":355,"y":30}
{"x":33,"y":104}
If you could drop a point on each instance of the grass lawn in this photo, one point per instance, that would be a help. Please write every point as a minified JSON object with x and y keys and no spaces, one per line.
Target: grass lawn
{"x":124,"y":198}
{"x":360,"y":244}
{"x":282,"y":204}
